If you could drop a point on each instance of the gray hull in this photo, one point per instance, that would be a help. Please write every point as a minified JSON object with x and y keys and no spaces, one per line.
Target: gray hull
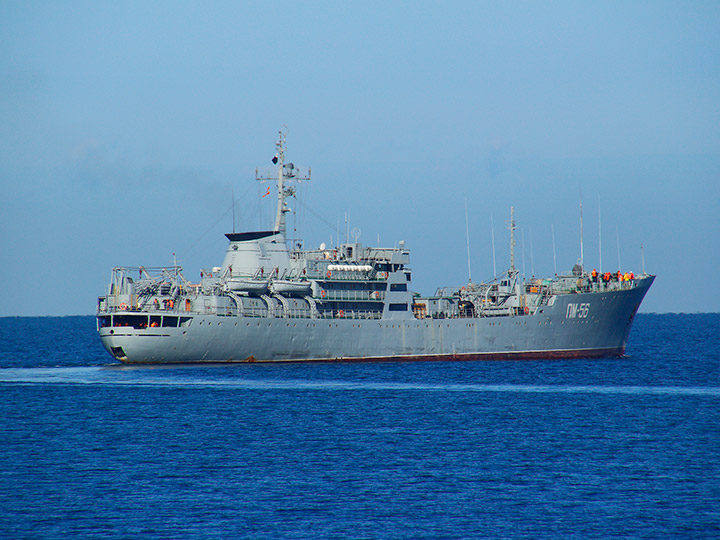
{"x":271,"y":300}
{"x":590,"y":324}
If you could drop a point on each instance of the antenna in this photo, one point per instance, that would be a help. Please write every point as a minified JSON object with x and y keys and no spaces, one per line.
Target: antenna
{"x":532,"y":257}
{"x":522,"y":236}
{"x":642,"y":253}
{"x":347,"y":227}
{"x":512,"y":239}
{"x":552,"y":227}
{"x":259,"y":207}
{"x":233,"y":204}
{"x":582,"y":255}
{"x":599,"y":233}
{"x":492,"y":229}
{"x":467,"y":238}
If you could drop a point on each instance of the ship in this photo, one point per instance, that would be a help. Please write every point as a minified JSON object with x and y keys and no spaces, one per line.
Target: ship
{"x":271,"y":300}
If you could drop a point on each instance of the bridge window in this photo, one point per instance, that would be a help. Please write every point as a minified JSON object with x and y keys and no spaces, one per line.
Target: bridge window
{"x":171,"y":322}
{"x":398,"y":307}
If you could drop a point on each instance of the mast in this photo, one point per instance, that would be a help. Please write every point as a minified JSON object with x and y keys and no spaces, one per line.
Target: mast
{"x":280,"y":157}
{"x":285,"y":173}
{"x":512,"y":240}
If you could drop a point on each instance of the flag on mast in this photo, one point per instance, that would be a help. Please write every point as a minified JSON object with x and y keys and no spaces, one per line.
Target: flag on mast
{"x":266,"y":193}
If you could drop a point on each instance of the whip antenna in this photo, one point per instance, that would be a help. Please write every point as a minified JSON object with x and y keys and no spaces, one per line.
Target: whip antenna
{"x":492,"y":230}
{"x":467,"y":239}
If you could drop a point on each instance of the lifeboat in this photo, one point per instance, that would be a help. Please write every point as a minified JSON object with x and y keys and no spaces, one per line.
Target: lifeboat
{"x":256,"y":286}
{"x":290,"y":288}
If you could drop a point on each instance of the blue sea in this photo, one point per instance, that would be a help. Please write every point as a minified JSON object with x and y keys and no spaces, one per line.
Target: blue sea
{"x":612,"y":448}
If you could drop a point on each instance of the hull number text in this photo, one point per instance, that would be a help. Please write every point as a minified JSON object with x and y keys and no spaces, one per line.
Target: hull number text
{"x":578,"y":311}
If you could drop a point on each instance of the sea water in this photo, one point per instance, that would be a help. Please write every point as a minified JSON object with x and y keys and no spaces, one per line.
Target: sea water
{"x":612,"y":448}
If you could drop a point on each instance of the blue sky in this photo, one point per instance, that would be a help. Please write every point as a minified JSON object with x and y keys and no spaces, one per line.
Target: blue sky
{"x":125,"y":127}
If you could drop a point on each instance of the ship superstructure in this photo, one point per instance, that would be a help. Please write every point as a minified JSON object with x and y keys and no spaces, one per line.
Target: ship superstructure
{"x":268,"y":302}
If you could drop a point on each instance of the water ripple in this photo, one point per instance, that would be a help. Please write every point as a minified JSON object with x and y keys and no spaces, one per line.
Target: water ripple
{"x":139,"y":377}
